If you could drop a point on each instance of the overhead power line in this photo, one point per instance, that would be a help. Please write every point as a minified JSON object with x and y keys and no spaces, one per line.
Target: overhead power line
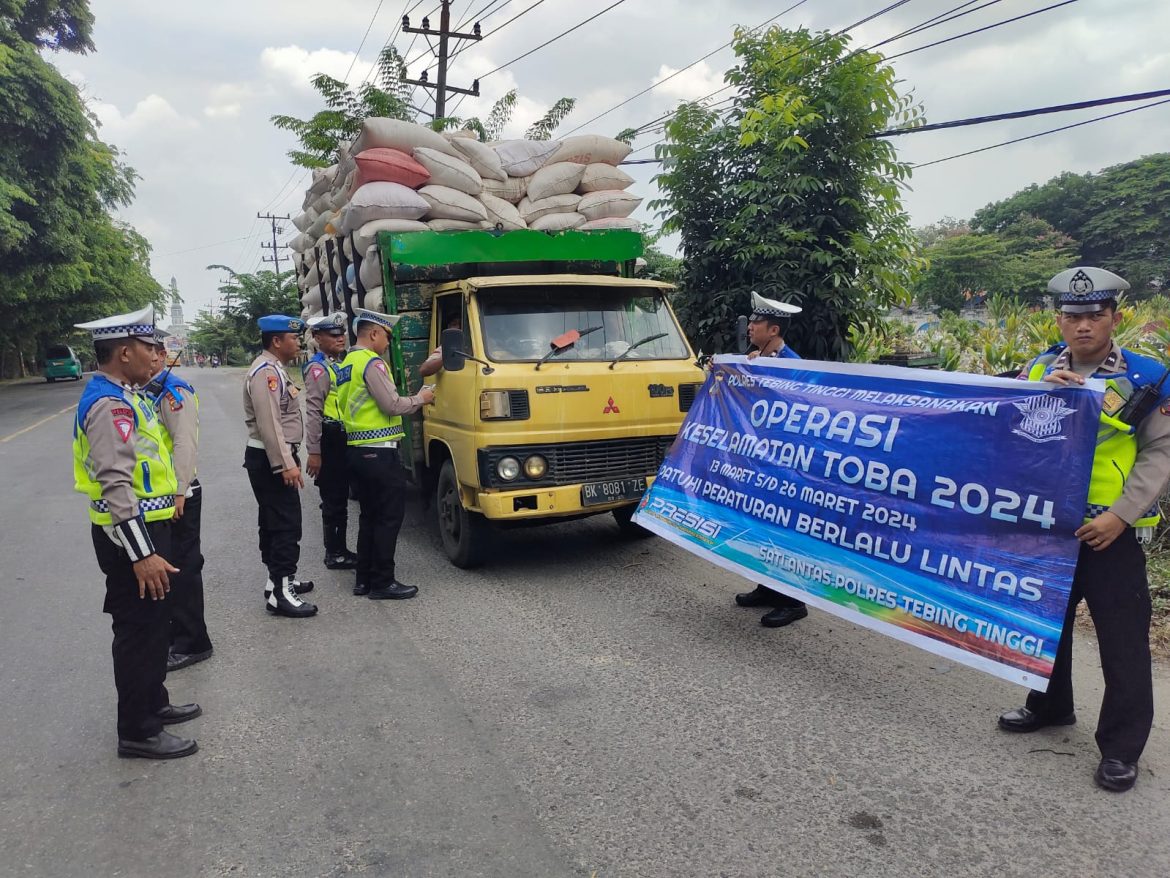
{"x":564,"y":33}
{"x":365,"y":36}
{"x":1040,"y":134}
{"x":681,"y":70}
{"x":1024,"y":114}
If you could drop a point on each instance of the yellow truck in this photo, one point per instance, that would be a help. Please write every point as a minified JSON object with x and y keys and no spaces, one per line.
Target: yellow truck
{"x":565,"y":378}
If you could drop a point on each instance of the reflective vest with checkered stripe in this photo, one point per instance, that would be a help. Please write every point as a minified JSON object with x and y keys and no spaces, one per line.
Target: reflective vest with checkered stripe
{"x":364,"y":422}
{"x":1116,"y":451}
{"x":154,"y":472}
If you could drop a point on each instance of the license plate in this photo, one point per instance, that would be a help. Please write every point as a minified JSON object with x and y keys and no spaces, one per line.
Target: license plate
{"x":596,"y":493}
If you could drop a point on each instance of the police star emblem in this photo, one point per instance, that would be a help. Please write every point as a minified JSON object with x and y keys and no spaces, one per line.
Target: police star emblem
{"x":1080,"y":284}
{"x":1042,"y":417}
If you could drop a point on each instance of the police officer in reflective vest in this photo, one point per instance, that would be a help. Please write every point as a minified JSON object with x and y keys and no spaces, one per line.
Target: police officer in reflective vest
{"x":325,"y":437}
{"x":766,"y":333}
{"x":1130,"y":468}
{"x":121,"y":463}
{"x":272,"y":413}
{"x":177,"y":407}
{"x":371,"y":411}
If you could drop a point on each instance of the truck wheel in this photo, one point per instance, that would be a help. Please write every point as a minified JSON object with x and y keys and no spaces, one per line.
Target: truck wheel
{"x":623,"y":515}
{"x":464,"y":533}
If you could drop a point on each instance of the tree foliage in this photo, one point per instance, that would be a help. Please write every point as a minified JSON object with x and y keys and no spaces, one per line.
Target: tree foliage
{"x":787,"y":193}
{"x":1120,"y":217}
{"x":63,"y":258}
{"x":232,"y":333}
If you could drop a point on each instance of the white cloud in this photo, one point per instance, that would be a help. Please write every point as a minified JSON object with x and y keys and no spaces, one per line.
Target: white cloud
{"x":297,"y":66}
{"x":694,"y":82}
{"x":151,"y":115}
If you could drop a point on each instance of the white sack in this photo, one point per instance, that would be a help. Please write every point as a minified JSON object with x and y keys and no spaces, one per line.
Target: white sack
{"x":559,"y":178}
{"x":450,"y":172}
{"x":586,"y":149}
{"x":512,"y":190}
{"x":608,"y":203}
{"x":448,"y":203}
{"x":396,"y":134}
{"x":371,"y":271}
{"x":502,"y":212}
{"x":374,"y":301}
{"x":532,"y":210}
{"x":481,"y":157}
{"x":612,"y":222}
{"x":376,"y":201}
{"x":555,"y":222}
{"x":368,"y":234}
{"x":599,"y":176}
{"x":450,"y":225}
{"x":520,"y":158}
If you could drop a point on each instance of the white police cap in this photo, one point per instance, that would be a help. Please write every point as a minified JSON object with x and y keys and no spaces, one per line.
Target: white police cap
{"x":386,"y":321}
{"x":333,"y":324}
{"x":771,"y":308}
{"x":136,"y":324}
{"x":1084,"y":290}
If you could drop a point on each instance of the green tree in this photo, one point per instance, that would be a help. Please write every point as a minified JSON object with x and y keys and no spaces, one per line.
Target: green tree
{"x":787,"y":193}
{"x":960,"y":268}
{"x":63,"y":259}
{"x":249,"y":297}
{"x":1120,"y":217}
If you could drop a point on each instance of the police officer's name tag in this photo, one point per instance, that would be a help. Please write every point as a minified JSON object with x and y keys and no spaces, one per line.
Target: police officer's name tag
{"x":1113,"y":402}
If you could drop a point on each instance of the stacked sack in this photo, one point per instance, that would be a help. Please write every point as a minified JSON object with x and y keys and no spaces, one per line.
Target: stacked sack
{"x":400,"y":177}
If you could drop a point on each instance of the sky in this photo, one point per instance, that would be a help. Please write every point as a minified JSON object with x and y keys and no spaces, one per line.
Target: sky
{"x":186,"y":91}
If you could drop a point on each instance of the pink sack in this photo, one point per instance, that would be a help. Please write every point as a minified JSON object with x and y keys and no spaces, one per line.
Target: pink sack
{"x":385,"y":165}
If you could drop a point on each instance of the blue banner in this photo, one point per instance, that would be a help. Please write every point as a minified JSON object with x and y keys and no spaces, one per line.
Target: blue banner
{"x":935,"y":507}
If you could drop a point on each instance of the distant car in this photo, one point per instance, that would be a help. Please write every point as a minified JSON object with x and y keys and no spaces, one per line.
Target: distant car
{"x":61,"y":362}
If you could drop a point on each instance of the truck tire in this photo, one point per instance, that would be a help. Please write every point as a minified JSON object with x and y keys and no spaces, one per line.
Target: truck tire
{"x":463,"y":533}
{"x":623,"y":515}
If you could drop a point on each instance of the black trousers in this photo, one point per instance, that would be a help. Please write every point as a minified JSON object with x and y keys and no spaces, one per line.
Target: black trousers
{"x":333,"y":485}
{"x":279,"y":516}
{"x":1113,"y":583}
{"x":141,"y":635}
{"x":380,"y":482}
{"x":188,"y":627}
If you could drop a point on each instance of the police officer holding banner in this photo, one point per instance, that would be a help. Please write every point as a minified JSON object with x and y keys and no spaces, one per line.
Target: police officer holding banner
{"x":177,"y":407}
{"x":272,"y":413}
{"x":371,"y":411}
{"x":766,"y":335}
{"x":325,"y":437}
{"x":1130,"y":469}
{"x":122,"y":464}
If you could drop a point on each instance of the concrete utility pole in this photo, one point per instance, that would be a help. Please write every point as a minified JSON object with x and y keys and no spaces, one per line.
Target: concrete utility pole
{"x":445,"y":34}
{"x":276,"y":230}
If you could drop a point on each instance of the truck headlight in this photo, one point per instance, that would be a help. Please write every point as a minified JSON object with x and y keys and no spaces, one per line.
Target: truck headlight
{"x":535,"y":467}
{"x":508,"y":468}
{"x":494,"y":404}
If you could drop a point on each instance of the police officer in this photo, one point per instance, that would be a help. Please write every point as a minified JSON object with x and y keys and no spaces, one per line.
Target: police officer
{"x":1130,"y":468}
{"x":371,"y":411}
{"x":272,"y":413}
{"x":325,"y":437}
{"x":766,"y":334}
{"x":122,"y":464}
{"x":177,"y":407}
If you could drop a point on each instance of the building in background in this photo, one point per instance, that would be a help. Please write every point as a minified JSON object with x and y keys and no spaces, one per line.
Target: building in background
{"x":176,"y":342}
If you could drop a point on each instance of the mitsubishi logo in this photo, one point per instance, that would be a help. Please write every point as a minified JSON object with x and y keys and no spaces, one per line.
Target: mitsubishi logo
{"x":611,"y":406}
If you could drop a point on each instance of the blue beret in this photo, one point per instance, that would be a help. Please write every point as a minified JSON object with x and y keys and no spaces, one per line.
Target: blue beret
{"x":280,"y":323}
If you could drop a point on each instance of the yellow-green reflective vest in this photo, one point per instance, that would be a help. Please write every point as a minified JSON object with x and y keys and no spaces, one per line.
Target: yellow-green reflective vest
{"x":154,"y":479}
{"x":331,"y":410}
{"x":1116,"y":450}
{"x":364,"y":422}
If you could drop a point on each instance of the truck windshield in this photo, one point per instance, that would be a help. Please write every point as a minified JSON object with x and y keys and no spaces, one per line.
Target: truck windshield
{"x":520,"y":323}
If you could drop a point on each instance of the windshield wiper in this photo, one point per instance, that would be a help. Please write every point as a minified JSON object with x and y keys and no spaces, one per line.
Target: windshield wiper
{"x":565,"y":341}
{"x":638,"y":343}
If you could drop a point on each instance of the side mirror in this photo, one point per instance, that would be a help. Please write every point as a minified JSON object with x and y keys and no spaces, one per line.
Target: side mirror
{"x":741,"y":334}
{"x":454,"y":357}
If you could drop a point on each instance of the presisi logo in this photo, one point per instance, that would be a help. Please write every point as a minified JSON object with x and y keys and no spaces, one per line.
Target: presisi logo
{"x":611,"y":407}
{"x":690,"y":521}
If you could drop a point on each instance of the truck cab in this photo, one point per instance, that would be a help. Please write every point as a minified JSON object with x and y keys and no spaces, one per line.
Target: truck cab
{"x":565,"y":392}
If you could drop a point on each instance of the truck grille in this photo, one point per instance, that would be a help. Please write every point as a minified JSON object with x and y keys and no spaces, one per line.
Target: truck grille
{"x":576,"y":462}
{"x":686,"y":396}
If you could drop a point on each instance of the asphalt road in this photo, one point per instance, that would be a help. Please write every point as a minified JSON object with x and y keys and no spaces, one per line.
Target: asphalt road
{"x":583,"y":706}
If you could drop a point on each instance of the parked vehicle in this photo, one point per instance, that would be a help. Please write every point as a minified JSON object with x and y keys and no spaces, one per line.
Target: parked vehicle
{"x":580,"y":381}
{"x":61,"y":362}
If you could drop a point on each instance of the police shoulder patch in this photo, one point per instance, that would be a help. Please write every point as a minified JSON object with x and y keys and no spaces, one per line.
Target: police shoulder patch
{"x":122,"y":411}
{"x":1164,"y":408}
{"x":316,"y":372}
{"x":273,"y":383}
{"x":124,"y":426}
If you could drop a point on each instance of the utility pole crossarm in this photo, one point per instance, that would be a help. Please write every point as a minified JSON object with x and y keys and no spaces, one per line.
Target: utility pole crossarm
{"x":445,"y":35}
